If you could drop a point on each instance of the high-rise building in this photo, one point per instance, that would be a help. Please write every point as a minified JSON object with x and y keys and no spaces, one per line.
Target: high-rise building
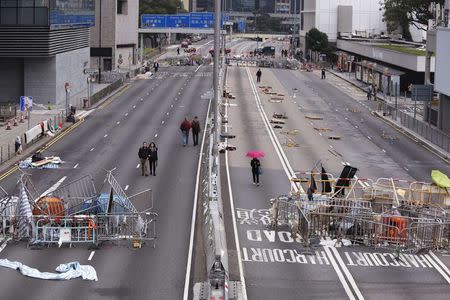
{"x":336,"y":17}
{"x":44,"y":49}
{"x":114,"y":39}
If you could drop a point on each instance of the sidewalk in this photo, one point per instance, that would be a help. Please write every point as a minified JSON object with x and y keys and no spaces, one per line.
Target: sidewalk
{"x":386,"y":111}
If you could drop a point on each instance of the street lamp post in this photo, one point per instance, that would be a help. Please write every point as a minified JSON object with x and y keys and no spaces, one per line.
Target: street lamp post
{"x":67,"y":88}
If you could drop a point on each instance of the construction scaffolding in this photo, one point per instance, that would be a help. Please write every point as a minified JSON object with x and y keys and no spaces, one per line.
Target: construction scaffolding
{"x":77,"y":213}
{"x":394,"y":214}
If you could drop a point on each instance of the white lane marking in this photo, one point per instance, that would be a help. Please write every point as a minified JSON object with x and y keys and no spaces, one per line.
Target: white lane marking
{"x":105,"y":136}
{"x":369,"y":137}
{"x":118,"y":122}
{"x":91,"y":255}
{"x":197,"y":69}
{"x":444,"y":267}
{"x":278,"y":149}
{"x":438,"y":268}
{"x":76,"y":166}
{"x":194,"y":213}
{"x":320,"y":133}
{"x":92,"y":149}
{"x":350,"y":278}
{"x":156,"y":135}
{"x":53,"y":187}
{"x":138,"y":165}
{"x":406,"y":169}
{"x":126,"y":115}
{"x":339,"y":274}
{"x":162,"y":122}
{"x":134,"y":106}
{"x":126,"y":187}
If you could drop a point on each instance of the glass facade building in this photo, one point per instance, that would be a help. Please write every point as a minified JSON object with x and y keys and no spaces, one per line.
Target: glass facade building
{"x":52,"y":13}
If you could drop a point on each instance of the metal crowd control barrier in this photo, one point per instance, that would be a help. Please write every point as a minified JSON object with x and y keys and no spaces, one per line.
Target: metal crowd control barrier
{"x":67,"y":230}
{"x":389,"y":213}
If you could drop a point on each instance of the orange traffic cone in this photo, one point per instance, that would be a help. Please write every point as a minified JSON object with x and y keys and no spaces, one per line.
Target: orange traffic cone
{"x":15,"y":122}
{"x":8,"y":126}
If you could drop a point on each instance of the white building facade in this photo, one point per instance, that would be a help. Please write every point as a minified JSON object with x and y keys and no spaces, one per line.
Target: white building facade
{"x":360,"y":17}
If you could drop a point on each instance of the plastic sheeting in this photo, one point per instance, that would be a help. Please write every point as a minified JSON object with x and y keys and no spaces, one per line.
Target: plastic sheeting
{"x":65,"y":271}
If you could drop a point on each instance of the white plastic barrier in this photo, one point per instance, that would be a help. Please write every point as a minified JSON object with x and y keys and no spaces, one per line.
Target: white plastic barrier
{"x":35,"y":132}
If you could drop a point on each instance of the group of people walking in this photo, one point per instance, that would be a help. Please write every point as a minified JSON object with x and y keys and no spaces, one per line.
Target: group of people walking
{"x":148,"y":154}
{"x":284,"y":53}
{"x":186,"y":126}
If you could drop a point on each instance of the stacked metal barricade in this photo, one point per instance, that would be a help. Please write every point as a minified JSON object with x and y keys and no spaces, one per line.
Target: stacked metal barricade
{"x":77,"y":213}
{"x":393,"y":214}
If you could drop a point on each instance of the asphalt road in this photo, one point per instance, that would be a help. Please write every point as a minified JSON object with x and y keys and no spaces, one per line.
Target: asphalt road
{"x":149,"y":110}
{"x":278,"y":267}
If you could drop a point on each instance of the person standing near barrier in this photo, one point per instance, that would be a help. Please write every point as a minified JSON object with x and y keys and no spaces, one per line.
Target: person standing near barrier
{"x":195,"y":130}
{"x":324,"y":76}
{"x":256,"y":166}
{"x":258,"y":76}
{"x":153,"y":158}
{"x":178,"y":51}
{"x":143,"y":156}
{"x":156,"y":66}
{"x":18,"y":145}
{"x":185,"y":127}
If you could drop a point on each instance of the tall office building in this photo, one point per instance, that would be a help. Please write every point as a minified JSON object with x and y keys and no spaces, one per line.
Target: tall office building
{"x":44,"y":49}
{"x":114,"y":38}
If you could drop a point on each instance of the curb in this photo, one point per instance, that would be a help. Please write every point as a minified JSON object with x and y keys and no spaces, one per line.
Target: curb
{"x":418,"y":139}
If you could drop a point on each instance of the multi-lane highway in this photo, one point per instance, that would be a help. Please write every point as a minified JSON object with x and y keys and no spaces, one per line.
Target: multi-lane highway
{"x":276,"y":266}
{"x":270,"y":264}
{"x":109,"y":138}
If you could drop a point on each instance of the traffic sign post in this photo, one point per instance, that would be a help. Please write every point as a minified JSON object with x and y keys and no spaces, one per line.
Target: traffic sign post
{"x":192,"y":20}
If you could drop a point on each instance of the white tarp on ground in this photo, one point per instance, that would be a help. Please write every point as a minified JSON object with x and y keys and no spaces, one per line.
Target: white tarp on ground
{"x":65,"y":271}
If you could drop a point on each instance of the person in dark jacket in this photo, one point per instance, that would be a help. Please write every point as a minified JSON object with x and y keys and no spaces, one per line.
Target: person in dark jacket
{"x":195,"y":125}
{"x":323,"y":74}
{"x":156,"y":66}
{"x":256,"y":165}
{"x":153,"y":158}
{"x":185,"y":127}
{"x":258,"y":75}
{"x":143,"y":156}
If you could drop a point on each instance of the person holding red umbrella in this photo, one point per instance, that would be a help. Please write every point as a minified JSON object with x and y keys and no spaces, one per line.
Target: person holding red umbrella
{"x":255,"y":164}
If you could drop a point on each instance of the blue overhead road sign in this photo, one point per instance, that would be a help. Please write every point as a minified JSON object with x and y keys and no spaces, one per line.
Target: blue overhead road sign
{"x":153,"y":21}
{"x":177,"y":21}
{"x":201,"y":20}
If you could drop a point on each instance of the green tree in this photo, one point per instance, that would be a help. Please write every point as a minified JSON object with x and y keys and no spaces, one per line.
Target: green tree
{"x":160,"y":6}
{"x":317,"y":41}
{"x":403,"y":13}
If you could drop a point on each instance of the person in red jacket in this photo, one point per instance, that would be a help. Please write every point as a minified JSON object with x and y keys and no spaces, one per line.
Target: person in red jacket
{"x":185,"y":127}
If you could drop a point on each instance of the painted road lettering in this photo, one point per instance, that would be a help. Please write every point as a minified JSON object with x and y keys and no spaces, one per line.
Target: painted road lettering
{"x":271,"y":236}
{"x":377,"y":259}
{"x":268,"y":255}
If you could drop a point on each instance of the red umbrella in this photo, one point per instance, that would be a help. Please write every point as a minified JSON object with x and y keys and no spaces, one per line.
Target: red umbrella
{"x":255,"y":153}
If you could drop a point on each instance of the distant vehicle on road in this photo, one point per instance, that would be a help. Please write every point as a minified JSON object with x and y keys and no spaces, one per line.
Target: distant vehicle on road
{"x":266,"y":51}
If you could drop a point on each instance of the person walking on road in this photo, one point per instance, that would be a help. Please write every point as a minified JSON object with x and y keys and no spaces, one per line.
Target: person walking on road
{"x":256,"y":168}
{"x":369,"y":93}
{"x":153,"y":158}
{"x":185,"y":127}
{"x":323,"y":74}
{"x":195,"y":125}
{"x":258,"y":75}
{"x":178,"y":51}
{"x":156,"y":66}
{"x":143,"y":156}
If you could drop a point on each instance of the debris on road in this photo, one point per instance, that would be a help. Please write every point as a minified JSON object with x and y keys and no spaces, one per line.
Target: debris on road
{"x":35,"y":162}
{"x":67,"y":271}
{"x":279,"y":116}
{"x":276,"y":121}
{"x":314,"y":118}
{"x":334,"y":137}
